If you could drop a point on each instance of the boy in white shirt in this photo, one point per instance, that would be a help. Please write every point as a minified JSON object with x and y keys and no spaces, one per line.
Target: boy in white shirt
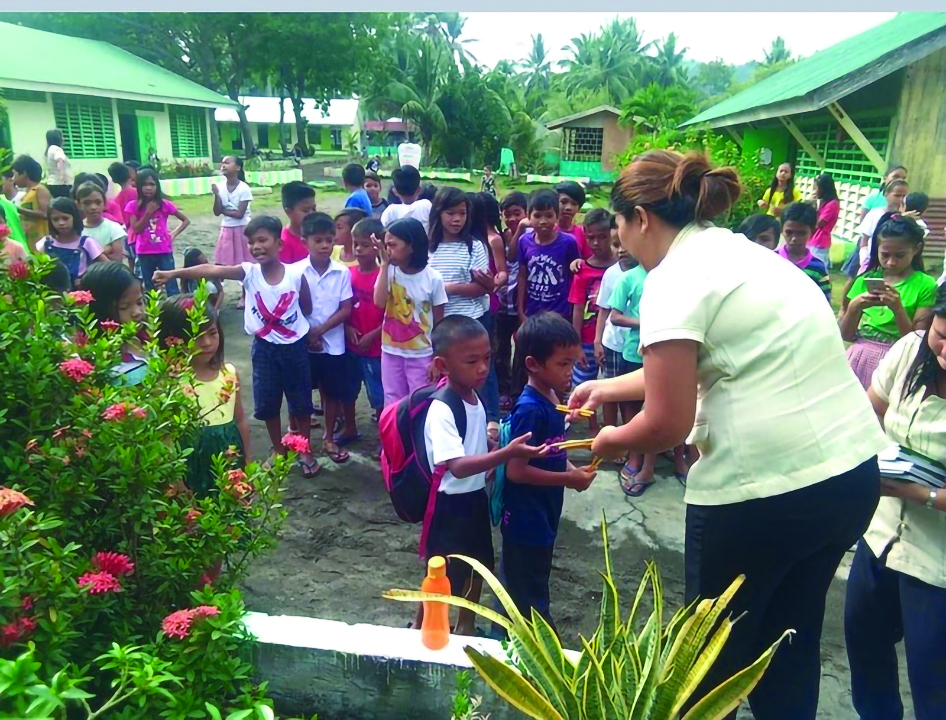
{"x":406,"y":181}
{"x":330,"y":287}
{"x":460,"y":522}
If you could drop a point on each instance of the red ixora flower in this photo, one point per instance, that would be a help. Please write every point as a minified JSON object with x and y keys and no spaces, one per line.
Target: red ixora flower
{"x":12,"y":500}
{"x":296,"y":443}
{"x":18,"y":270}
{"x":113,"y":563}
{"x":187,"y":304}
{"x":80,"y":339}
{"x":121,"y":410}
{"x":16,"y":631}
{"x":76,"y":368}
{"x":109,"y":325}
{"x":100,"y":582}
{"x":80,"y":297}
{"x":4,"y":230}
{"x":178,"y":624}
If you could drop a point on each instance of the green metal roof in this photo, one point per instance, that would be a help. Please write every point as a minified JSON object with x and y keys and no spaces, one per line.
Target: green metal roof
{"x":834,"y":72}
{"x":37,"y":60}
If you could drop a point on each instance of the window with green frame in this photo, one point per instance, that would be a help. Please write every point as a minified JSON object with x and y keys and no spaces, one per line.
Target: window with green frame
{"x":87,"y":124}
{"x":843,"y":159}
{"x":188,"y":132}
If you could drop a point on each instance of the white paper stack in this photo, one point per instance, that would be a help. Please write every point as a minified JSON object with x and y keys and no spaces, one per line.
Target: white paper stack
{"x":897,"y":463}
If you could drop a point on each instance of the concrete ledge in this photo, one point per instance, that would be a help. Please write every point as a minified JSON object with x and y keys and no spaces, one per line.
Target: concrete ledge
{"x":369,"y":672}
{"x":555,"y":179}
{"x":176,"y":187}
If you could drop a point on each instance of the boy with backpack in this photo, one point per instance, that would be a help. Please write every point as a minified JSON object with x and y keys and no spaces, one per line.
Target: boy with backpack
{"x":548,"y":346}
{"x":456,"y":452}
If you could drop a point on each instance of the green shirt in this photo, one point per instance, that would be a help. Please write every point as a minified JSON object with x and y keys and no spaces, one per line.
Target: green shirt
{"x":626,"y":299}
{"x":12,"y":219}
{"x":878,"y":323}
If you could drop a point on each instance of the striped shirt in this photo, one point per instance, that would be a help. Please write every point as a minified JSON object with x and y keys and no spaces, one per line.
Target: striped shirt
{"x":454,"y":261}
{"x":813,"y":268}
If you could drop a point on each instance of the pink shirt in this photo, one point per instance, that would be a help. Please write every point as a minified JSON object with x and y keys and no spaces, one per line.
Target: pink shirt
{"x":127,"y":195}
{"x":293,"y":249}
{"x":155,"y":238}
{"x":113,"y":212}
{"x":828,"y":214}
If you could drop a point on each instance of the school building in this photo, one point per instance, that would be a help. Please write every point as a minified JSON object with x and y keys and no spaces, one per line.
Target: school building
{"x":326,"y":131}
{"x":383,"y":136}
{"x":110,"y":105}
{"x":852,"y":110}
{"x":591,"y":141}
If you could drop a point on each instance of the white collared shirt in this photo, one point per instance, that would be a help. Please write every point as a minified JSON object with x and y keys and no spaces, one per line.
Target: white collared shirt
{"x":915,"y":535}
{"x":779,"y":408}
{"x":328,"y":291}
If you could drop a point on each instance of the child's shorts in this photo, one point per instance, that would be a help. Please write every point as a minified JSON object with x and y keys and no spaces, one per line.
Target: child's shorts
{"x":335,"y":375}
{"x":615,"y":365}
{"x":370,"y":370}
{"x":281,"y":370}
{"x":461,"y":526}
{"x":590,"y":371}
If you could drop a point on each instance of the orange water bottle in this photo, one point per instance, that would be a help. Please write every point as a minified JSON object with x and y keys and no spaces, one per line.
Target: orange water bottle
{"x":435,"y":628}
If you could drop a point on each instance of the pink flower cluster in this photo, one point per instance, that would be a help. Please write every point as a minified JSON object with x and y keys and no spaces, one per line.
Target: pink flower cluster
{"x":110,"y":566}
{"x":238,"y":486}
{"x":178,"y":624}
{"x":76,"y":368}
{"x":80,"y":297}
{"x":16,"y":631}
{"x":12,"y":500}
{"x":18,"y":270}
{"x":296,"y":443}
{"x":119,"y":411}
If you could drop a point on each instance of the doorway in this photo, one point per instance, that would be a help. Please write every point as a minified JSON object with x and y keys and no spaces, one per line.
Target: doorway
{"x":138,"y":137}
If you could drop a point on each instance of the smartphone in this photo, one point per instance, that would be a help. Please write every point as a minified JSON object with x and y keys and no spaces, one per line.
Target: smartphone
{"x":875,"y":285}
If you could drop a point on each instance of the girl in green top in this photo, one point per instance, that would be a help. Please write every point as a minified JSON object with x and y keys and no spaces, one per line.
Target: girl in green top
{"x":878,"y":314}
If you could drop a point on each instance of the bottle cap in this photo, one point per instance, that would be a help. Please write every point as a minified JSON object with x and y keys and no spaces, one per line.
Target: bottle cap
{"x":436,"y":567}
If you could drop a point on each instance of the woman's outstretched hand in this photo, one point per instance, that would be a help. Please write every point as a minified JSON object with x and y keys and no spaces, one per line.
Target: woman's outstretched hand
{"x":586,"y":396}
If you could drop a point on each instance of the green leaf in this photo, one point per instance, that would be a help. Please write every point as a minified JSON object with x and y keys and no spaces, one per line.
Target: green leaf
{"x":417,"y":596}
{"x":212,"y":711}
{"x":512,"y":687}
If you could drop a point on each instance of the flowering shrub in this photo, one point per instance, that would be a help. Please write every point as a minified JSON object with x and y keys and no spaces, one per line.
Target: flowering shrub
{"x":101,"y":543}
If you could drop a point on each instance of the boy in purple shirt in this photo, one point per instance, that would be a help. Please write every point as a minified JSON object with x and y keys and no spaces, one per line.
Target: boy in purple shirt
{"x":546,"y":254}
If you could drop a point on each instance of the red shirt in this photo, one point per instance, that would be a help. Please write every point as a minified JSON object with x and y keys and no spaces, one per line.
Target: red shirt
{"x":579,"y":232}
{"x":365,"y":315}
{"x":127,"y":195}
{"x":584,"y":294}
{"x":293,"y":249}
{"x":113,"y":212}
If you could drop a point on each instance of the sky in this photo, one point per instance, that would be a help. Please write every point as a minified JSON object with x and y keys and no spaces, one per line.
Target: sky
{"x":735,"y":37}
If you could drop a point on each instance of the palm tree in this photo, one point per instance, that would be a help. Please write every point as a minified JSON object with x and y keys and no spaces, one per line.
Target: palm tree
{"x":777,"y":53}
{"x":415,"y":94}
{"x":537,"y":67}
{"x":612,"y":60}
{"x":661,"y":107}
{"x":666,"y":67}
{"x":445,"y":27}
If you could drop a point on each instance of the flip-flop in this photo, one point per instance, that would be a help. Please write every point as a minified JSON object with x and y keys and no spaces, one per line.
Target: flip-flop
{"x":336,"y":457}
{"x":307,"y":468}
{"x":628,"y":471}
{"x":681,"y":478}
{"x":343,"y":440}
{"x":636,"y":490}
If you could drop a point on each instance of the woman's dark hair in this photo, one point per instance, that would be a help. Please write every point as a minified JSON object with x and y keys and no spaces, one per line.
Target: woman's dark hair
{"x":107,"y":281}
{"x":677,"y":188}
{"x":238,"y":161}
{"x":145,"y":174}
{"x":66,"y":206}
{"x":826,"y":189}
{"x":29,"y":167}
{"x":192,"y":257}
{"x":916,"y":202}
{"x":86,"y":189}
{"x":54,"y":137}
{"x":543,"y":200}
{"x":412,"y":232}
{"x":428,"y":193}
{"x":755,"y":225}
{"x":119,"y":173}
{"x":447,"y":198}
{"x":801,"y":212}
{"x":541,"y":335}
{"x":174,"y":323}
{"x":925,"y":368}
{"x":894,"y":226}
{"x":597,"y":216}
{"x":789,"y":194}
{"x":484,"y":215}
{"x":84,"y":178}
{"x":133,"y":164}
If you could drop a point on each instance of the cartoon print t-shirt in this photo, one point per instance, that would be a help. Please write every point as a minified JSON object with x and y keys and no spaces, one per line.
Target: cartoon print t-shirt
{"x":409,"y":313}
{"x":154,"y":238}
{"x":549,"y":277}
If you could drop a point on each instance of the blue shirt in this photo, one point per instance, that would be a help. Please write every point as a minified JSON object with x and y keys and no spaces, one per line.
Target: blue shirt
{"x":626,"y":299}
{"x":359,"y":199}
{"x":531,"y":512}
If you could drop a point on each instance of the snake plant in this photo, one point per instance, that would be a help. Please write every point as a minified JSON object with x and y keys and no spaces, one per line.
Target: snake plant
{"x":631,"y":669}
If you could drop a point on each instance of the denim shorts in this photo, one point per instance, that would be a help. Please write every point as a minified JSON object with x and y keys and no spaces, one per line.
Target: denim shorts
{"x":370,"y":368}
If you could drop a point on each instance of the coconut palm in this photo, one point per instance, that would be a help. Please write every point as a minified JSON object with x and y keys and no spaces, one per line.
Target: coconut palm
{"x":537,"y":67}
{"x":660,"y":107}
{"x":414,"y":95}
{"x":445,"y":27}
{"x":666,"y":67}
{"x":777,"y":53}
{"x":612,"y":59}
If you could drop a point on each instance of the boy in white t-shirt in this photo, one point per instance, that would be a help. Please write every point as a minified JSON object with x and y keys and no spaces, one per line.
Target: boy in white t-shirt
{"x":277,"y":305}
{"x":460,"y":522}
{"x":406,"y":181}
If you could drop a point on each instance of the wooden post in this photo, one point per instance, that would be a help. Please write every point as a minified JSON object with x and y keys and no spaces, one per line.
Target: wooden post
{"x":735,"y":135}
{"x":803,"y":141}
{"x":858,"y":137}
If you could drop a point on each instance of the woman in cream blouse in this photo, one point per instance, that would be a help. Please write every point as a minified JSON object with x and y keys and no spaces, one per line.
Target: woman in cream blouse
{"x":787,"y":479}
{"x":897,"y":587}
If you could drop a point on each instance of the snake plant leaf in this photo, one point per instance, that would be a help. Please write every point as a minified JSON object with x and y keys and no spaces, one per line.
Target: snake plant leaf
{"x":542,"y":675}
{"x":551,"y":645}
{"x":591,"y":700}
{"x":498,"y":590}
{"x":701,"y":667}
{"x":609,"y":622}
{"x":512,"y":687}
{"x":727,"y":696}
{"x":418,"y":596}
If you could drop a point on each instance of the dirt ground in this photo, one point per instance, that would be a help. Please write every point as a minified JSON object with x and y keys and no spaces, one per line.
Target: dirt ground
{"x":344,"y":545}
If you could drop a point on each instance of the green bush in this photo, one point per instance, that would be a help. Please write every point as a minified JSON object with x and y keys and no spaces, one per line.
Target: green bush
{"x":100,"y":541}
{"x":175,"y":170}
